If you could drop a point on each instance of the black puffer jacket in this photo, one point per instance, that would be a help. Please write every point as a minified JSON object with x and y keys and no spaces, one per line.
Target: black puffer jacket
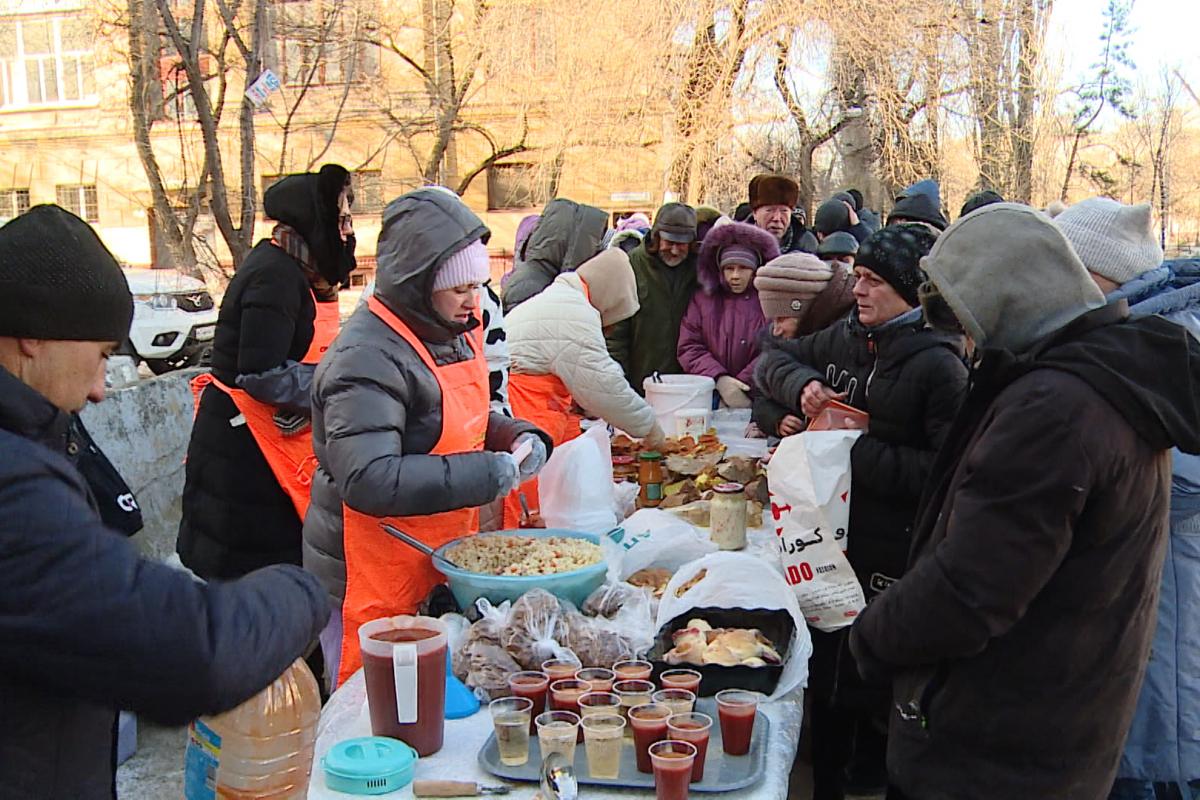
{"x":236,"y":518}
{"x":87,"y":626}
{"x":377,"y":409}
{"x":910,"y":379}
{"x":567,"y":235}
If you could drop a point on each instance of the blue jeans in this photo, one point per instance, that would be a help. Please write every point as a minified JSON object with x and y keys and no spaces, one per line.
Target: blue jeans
{"x":1127,"y":789}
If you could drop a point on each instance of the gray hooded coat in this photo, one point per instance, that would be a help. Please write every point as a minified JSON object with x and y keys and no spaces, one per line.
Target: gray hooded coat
{"x":567,"y":235}
{"x":377,"y":409}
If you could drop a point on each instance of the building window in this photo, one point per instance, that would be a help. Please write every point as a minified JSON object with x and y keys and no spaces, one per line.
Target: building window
{"x":320,"y":44}
{"x":13,"y":202}
{"x":80,"y":201}
{"x":368,"y":192}
{"x":518,"y":186}
{"x":46,"y":61}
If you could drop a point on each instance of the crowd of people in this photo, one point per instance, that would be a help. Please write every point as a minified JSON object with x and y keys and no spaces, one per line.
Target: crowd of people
{"x":1029,"y":380}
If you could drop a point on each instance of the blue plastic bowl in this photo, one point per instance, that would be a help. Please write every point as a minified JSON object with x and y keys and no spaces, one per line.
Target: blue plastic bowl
{"x":574,"y":586}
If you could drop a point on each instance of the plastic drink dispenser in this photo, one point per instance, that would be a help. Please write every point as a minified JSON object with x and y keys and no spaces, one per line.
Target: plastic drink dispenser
{"x":261,"y":749}
{"x":404,"y":663}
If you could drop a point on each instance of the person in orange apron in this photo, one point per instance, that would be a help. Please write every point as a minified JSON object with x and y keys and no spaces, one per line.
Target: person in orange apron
{"x":559,"y":360}
{"x":402,"y":427}
{"x":250,"y":460}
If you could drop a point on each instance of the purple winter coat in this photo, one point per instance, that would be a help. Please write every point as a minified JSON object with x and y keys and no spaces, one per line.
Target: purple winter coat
{"x":720,"y":331}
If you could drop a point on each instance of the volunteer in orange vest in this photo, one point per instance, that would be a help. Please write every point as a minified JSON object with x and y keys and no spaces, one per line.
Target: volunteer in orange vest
{"x":559,"y":360}
{"x":402,"y":426}
{"x":250,"y":460}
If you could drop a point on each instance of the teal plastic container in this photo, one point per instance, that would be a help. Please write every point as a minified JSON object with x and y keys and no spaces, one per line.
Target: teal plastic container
{"x":369,"y":765}
{"x":574,"y":586}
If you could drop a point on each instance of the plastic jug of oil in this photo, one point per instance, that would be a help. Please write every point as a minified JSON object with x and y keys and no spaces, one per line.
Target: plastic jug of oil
{"x":261,"y":750}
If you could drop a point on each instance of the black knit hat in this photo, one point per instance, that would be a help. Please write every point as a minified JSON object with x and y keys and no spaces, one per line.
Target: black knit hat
{"x":979,"y":200}
{"x":894,"y":253}
{"x":58,"y":280}
{"x":918,"y":207}
{"x":831,"y":216}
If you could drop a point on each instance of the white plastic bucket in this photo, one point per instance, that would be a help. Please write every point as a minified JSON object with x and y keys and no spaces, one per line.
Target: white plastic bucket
{"x":675,"y":393}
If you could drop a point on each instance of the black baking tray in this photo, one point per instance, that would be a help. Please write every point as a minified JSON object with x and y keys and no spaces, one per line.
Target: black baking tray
{"x":775,"y":624}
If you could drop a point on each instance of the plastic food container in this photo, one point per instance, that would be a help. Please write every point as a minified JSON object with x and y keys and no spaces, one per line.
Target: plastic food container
{"x":369,"y":765}
{"x":775,"y":624}
{"x":693,"y":421}
{"x":838,"y":416}
{"x":574,"y":586}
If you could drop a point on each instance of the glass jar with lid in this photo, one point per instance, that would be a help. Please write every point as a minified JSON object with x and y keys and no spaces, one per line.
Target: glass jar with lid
{"x":727,"y":516}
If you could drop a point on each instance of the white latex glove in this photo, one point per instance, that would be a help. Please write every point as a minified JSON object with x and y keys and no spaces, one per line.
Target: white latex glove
{"x":734,"y":393}
{"x":656,"y":438}
{"x":508,"y":474}
{"x":536,"y":459}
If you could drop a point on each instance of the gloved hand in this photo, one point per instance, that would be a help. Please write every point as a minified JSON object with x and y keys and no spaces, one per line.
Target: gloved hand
{"x":536,"y":459}
{"x":734,"y":393}
{"x":508,"y":475}
{"x":656,"y":438}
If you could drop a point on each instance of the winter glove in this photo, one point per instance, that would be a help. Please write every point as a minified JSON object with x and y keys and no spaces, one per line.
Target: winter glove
{"x":734,"y":393}
{"x":656,"y":438}
{"x":508,"y":475}
{"x":536,"y":459}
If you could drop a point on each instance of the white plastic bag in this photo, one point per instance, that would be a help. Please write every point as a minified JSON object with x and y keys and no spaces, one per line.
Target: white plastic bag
{"x":736,"y":580}
{"x":809,"y":479}
{"x":653,"y":538}
{"x":575,"y":489}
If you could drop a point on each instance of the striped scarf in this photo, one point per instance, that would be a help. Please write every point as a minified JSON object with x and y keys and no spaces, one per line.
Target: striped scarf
{"x":289,"y":240}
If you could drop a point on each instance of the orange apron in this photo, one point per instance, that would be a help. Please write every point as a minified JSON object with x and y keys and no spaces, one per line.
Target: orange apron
{"x":290,"y":456}
{"x":544,"y":401}
{"x":385,"y":577}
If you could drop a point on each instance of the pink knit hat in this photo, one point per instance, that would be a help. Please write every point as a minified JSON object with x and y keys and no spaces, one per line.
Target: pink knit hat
{"x":469,"y":265}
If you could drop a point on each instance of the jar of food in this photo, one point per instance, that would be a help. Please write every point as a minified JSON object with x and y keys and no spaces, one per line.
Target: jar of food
{"x":625,"y":469}
{"x":727,"y":516}
{"x":650,"y":478}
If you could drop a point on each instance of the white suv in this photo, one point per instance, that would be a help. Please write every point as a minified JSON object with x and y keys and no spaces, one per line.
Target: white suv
{"x":174,"y":318}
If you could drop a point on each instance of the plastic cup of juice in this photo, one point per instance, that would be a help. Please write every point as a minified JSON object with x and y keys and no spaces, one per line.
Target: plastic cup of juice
{"x":672,"y":763}
{"x":560,"y":669}
{"x":600,"y":678}
{"x":681,"y":679}
{"x":564,"y":696}
{"x":603,"y":736}
{"x":695,"y":728}
{"x":736,"y":709}
{"x":556,"y":732}
{"x":533,"y":685}
{"x":649,"y":724}
{"x":632,"y":670}
{"x":680,"y":701}
{"x":510,"y":717}
{"x":632,"y":693}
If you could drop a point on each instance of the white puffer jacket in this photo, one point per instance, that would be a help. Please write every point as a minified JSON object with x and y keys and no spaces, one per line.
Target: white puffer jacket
{"x":559,"y":332}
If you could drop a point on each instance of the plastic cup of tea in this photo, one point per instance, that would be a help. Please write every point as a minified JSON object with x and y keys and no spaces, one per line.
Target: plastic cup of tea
{"x":632,"y":670}
{"x":695,"y":728}
{"x":535,"y":686}
{"x":649,"y":723}
{"x":510,"y":718}
{"x":736,"y":709}
{"x":599,"y":703}
{"x":672,"y":762}
{"x":603,"y":736}
{"x":600,"y":678}
{"x":680,"y":701}
{"x":681,"y":679}
{"x":560,"y":669}
{"x":632,"y":693}
{"x":557,"y":731}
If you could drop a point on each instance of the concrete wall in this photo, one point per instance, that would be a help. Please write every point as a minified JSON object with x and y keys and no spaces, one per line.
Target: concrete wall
{"x":144,"y":430}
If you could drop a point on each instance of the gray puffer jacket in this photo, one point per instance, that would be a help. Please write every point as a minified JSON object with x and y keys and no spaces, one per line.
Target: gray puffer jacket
{"x":377,"y":409}
{"x":567,"y":235}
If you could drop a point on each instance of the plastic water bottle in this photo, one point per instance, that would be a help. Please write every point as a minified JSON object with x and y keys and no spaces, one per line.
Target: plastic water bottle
{"x":261,"y":750}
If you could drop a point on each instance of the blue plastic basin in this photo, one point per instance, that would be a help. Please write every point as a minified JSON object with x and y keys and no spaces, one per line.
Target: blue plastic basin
{"x":574,"y":586}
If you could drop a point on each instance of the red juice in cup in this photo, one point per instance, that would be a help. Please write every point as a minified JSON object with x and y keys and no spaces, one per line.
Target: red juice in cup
{"x":564,"y":696}
{"x":736,"y":709}
{"x":601,"y":679}
{"x":632,"y":671}
{"x":649,"y":723}
{"x":672,"y":763}
{"x":695,"y":728}
{"x":533,"y":685}
{"x":681,"y":679}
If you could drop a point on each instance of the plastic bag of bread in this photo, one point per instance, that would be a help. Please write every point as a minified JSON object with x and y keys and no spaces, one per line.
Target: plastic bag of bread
{"x":610,"y":598}
{"x":535,"y":630}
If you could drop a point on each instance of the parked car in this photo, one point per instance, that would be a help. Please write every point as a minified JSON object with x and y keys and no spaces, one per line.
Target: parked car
{"x":174,"y":318}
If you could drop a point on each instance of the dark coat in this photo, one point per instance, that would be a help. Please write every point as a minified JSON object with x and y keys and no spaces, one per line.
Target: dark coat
{"x":910,"y":379}
{"x":567,"y":235}
{"x":1019,"y":635}
{"x":87,"y":626}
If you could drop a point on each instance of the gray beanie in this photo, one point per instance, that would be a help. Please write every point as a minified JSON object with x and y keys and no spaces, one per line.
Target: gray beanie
{"x":1112,"y":240}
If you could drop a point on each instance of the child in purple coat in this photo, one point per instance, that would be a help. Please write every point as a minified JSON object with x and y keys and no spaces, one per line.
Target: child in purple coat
{"x":720,"y":331}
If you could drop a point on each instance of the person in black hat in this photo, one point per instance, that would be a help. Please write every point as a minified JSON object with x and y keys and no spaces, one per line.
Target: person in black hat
{"x":838,"y":246}
{"x":837,"y":214}
{"x":980,"y":199}
{"x":87,"y":626}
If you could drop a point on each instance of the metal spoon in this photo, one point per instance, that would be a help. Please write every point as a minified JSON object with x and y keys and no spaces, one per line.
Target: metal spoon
{"x":558,"y":778}
{"x":414,"y":543}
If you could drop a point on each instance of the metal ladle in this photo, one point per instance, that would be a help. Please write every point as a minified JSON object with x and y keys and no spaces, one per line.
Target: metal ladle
{"x":414,"y":543}
{"x":558,"y":778}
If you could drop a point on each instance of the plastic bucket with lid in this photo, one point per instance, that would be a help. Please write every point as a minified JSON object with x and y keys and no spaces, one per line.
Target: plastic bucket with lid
{"x":671,"y":393}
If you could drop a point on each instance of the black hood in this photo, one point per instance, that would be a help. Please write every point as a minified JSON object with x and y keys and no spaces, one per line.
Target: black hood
{"x":1148,"y":369}
{"x":308,"y":203}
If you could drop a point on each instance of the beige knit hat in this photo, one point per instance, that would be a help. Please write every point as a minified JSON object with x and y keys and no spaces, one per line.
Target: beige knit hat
{"x":1113,"y":240}
{"x":786,"y":283}
{"x":612,"y":287}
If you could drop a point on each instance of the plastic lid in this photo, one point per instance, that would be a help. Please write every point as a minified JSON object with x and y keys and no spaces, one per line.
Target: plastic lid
{"x":650,"y":455}
{"x":461,"y":702}
{"x":369,"y":757}
{"x":729,"y":488}
{"x":622,"y":459}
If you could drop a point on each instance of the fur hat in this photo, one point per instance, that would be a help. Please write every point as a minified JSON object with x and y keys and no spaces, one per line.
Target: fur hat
{"x":773,"y":190}
{"x":1112,"y":240}
{"x":735,"y":234}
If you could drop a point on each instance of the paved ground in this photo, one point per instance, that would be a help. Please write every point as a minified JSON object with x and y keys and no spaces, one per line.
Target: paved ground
{"x":156,"y":771}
